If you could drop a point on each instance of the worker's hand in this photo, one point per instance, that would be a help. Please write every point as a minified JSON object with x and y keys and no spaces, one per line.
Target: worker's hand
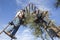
{"x":21,"y":14}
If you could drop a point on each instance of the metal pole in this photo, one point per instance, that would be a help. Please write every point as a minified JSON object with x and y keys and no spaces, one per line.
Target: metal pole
{"x":4,"y":29}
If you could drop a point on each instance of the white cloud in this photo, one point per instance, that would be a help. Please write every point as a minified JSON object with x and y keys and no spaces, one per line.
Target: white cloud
{"x":4,"y":37}
{"x":41,"y":4}
{"x":22,"y":3}
{"x":25,"y":35}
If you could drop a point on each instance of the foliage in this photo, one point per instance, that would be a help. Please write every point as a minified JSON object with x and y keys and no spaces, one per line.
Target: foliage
{"x":36,"y":27}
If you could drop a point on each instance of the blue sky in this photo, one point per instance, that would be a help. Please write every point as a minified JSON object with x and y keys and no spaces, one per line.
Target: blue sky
{"x":8,"y":9}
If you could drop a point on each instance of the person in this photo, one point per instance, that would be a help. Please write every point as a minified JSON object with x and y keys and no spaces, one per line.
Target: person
{"x":14,"y":25}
